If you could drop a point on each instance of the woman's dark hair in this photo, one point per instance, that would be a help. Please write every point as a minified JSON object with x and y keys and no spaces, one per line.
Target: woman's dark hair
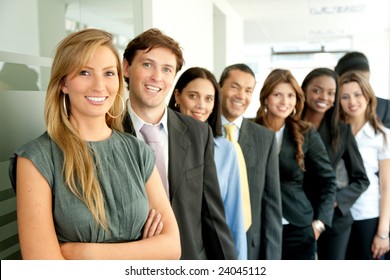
{"x":214,"y":120}
{"x":352,"y":61}
{"x":333,"y":114}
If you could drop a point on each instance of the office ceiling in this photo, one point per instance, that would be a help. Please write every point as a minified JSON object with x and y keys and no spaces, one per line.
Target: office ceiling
{"x":277,"y":22}
{"x":310,"y":20}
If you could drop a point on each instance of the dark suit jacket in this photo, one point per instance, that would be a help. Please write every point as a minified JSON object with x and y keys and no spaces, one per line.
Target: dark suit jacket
{"x":383,"y":111}
{"x":258,"y":145}
{"x":358,"y":181}
{"x":297,"y":208}
{"x":194,"y":190}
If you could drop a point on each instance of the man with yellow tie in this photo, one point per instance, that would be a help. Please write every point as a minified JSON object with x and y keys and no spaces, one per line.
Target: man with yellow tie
{"x":258,"y":160}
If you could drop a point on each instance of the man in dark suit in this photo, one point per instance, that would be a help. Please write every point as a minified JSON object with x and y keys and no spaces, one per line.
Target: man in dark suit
{"x":151,"y":62}
{"x":357,"y":61}
{"x":258,"y":146}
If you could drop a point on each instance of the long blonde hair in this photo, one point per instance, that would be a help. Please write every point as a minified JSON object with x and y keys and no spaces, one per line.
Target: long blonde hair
{"x":72,"y":54}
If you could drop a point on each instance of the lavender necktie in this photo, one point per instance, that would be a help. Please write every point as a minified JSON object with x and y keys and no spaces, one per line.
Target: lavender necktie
{"x":152,"y":137}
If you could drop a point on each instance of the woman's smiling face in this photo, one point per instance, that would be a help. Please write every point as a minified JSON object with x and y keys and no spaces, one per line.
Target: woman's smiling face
{"x":93,"y":89}
{"x":197,"y":99}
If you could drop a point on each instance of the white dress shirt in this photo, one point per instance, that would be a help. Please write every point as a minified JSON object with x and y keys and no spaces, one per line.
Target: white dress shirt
{"x":373,"y":149}
{"x":279,"y":137}
{"x":138,"y":124}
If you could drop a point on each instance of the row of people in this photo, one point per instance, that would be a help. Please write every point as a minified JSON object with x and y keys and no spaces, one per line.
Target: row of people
{"x":85,"y":190}
{"x":321,"y":109}
{"x":196,"y":94}
{"x":283,"y":103}
{"x":212,"y":214}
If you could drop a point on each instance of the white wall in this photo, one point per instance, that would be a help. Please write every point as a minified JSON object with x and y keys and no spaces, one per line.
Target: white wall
{"x":376,"y":47}
{"x":234,"y":32}
{"x":191,"y":24}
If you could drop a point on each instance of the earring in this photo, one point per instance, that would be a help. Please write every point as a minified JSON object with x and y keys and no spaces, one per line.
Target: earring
{"x":294,"y":112}
{"x":65,"y":109}
{"x":265,"y":109}
{"x":177,"y":105}
{"x":123,"y":108}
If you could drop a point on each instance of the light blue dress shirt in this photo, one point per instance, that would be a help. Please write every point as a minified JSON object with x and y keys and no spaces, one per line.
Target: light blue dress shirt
{"x":229,"y":181}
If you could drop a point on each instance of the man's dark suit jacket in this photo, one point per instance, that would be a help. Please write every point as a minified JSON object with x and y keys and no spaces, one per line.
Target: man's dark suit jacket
{"x":383,"y":111}
{"x":194,"y":190}
{"x":297,"y":208}
{"x":258,"y":145}
{"x":358,"y":181}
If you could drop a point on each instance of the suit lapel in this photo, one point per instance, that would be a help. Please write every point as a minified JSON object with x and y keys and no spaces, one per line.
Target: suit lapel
{"x":324,"y":131}
{"x":245,"y":139}
{"x":179,"y":145}
{"x":128,"y":124}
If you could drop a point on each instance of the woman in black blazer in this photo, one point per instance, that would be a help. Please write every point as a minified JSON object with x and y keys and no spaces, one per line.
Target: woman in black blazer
{"x":301,"y":152}
{"x":322,"y":110}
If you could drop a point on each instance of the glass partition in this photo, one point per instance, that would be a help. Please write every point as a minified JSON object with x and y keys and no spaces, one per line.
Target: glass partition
{"x":29,"y":37}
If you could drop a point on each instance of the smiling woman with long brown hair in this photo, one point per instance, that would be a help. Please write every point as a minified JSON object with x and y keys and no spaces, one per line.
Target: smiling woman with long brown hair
{"x":371,"y":212}
{"x":301,"y":152}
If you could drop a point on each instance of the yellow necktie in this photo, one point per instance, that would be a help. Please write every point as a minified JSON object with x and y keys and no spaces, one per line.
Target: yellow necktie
{"x":246,"y":202}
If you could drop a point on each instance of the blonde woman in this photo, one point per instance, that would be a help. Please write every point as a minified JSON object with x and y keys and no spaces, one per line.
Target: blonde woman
{"x":84,"y":189}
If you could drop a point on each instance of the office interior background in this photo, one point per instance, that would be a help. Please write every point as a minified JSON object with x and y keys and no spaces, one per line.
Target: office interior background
{"x":266,"y":34}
